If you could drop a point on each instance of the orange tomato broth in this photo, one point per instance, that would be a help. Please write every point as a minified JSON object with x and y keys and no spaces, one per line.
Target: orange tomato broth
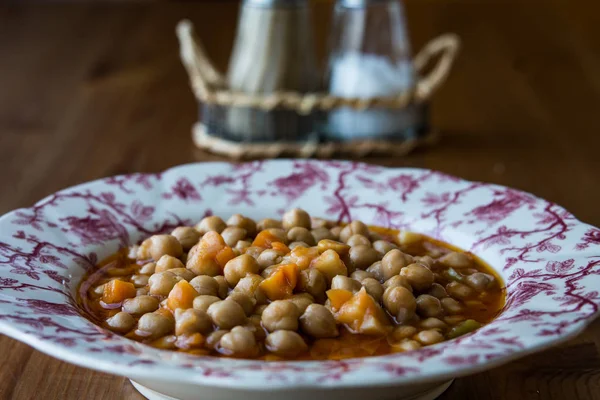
{"x":347,"y":344}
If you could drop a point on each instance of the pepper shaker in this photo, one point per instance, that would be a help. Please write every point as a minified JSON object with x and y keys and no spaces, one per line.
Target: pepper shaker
{"x":273,"y":51}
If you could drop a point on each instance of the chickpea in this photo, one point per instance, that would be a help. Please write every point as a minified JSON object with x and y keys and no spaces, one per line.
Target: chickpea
{"x":213,"y":339}
{"x":255,"y":327}
{"x":429,"y":306}
{"x":300,"y":234}
{"x":317,"y":321}
{"x":204,"y":301}
{"x":400,"y":303}
{"x":403,"y":332}
{"x":359,"y":275}
{"x":301,"y":301}
{"x":433,"y":323}
{"x":167,"y":262}
{"x":238,"y":268}
{"x":158,"y":245}
{"x":205,"y":285}
{"x":383,"y":247}
{"x":280,"y":314}
{"x":343,"y":282}
{"x":142,"y":291}
{"x":154,"y":325}
{"x":393,"y":262}
{"x":296,"y":217}
{"x":438,"y":291}
{"x":240,"y":341}
{"x":187,"y":236}
{"x":459,"y":291}
{"x":479,"y":281}
{"x":268,"y":223}
{"x":121,"y":322}
{"x":182,"y":273}
{"x":161,"y":283}
{"x":340,"y":248}
{"x":451,"y":306}
{"x":285,"y":343}
{"x":233,"y":234}
{"x":319,"y":234}
{"x":358,"y":239}
{"x":202,"y":265}
{"x":429,"y":337}
{"x":419,"y":276}
{"x":293,"y":245}
{"x":374,"y":236}
{"x":397,"y":280}
{"x":269,"y":257}
{"x":133,"y":251}
{"x":376,"y":269}
{"x":139,"y":280}
{"x":353,"y":228}
{"x":373,"y":288}
{"x":226,"y":314}
{"x":98,"y":290}
{"x":335,"y":232}
{"x":140,"y":305}
{"x":316,"y":223}
{"x":426,"y":261}
{"x":267,"y":272}
{"x":409,"y":345}
{"x":243,"y":222}
{"x":223,"y":286}
{"x":192,"y":321}
{"x":148,"y":269}
{"x":254,"y":251}
{"x":250,"y":286}
{"x":407,"y":238}
{"x":260,"y":309}
{"x":313,"y":281}
{"x":456,"y":260}
{"x":243,"y":300}
{"x":362,"y":256}
{"x":242,"y":246}
{"x":211,"y":224}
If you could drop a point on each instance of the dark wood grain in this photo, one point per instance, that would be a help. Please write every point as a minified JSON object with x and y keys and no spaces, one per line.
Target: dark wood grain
{"x":95,"y":89}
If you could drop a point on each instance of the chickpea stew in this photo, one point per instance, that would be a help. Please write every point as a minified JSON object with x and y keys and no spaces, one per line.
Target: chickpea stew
{"x":299,"y":288}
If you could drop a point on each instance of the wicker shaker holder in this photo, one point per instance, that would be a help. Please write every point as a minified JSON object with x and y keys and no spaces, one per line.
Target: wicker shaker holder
{"x":209,"y":87}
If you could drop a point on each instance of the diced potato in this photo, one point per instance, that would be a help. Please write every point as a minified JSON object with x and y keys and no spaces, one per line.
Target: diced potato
{"x":330,"y":264}
{"x":338,"y":297}
{"x":281,"y":283}
{"x":181,"y":296}
{"x":363,"y":315}
{"x":116,"y":291}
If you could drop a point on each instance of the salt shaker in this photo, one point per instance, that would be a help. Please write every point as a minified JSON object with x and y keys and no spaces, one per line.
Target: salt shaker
{"x":273,"y":51}
{"x":369,"y":57}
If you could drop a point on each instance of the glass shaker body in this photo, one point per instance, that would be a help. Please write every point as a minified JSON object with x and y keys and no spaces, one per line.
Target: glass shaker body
{"x":370,"y":56}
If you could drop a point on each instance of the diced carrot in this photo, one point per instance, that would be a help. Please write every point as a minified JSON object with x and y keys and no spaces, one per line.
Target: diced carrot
{"x":116,"y":291}
{"x":303,"y":256}
{"x":181,"y":296}
{"x":280,"y":247}
{"x":265,"y":239}
{"x":330,"y":264}
{"x":186,"y":342}
{"x":281,"y":283}
{"x":224,"y":255}
{"x":338,"y":297}
{"x":362,"y":314}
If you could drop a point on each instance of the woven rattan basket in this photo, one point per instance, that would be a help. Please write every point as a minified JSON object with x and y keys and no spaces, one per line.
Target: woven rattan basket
{"x":210,"y":87}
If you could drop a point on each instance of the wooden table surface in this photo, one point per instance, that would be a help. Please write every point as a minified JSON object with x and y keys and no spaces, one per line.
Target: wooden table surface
{"x":91,"y":90}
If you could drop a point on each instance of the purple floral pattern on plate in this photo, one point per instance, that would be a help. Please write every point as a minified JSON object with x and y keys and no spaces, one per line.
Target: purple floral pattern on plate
{"x":550,"y":263}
